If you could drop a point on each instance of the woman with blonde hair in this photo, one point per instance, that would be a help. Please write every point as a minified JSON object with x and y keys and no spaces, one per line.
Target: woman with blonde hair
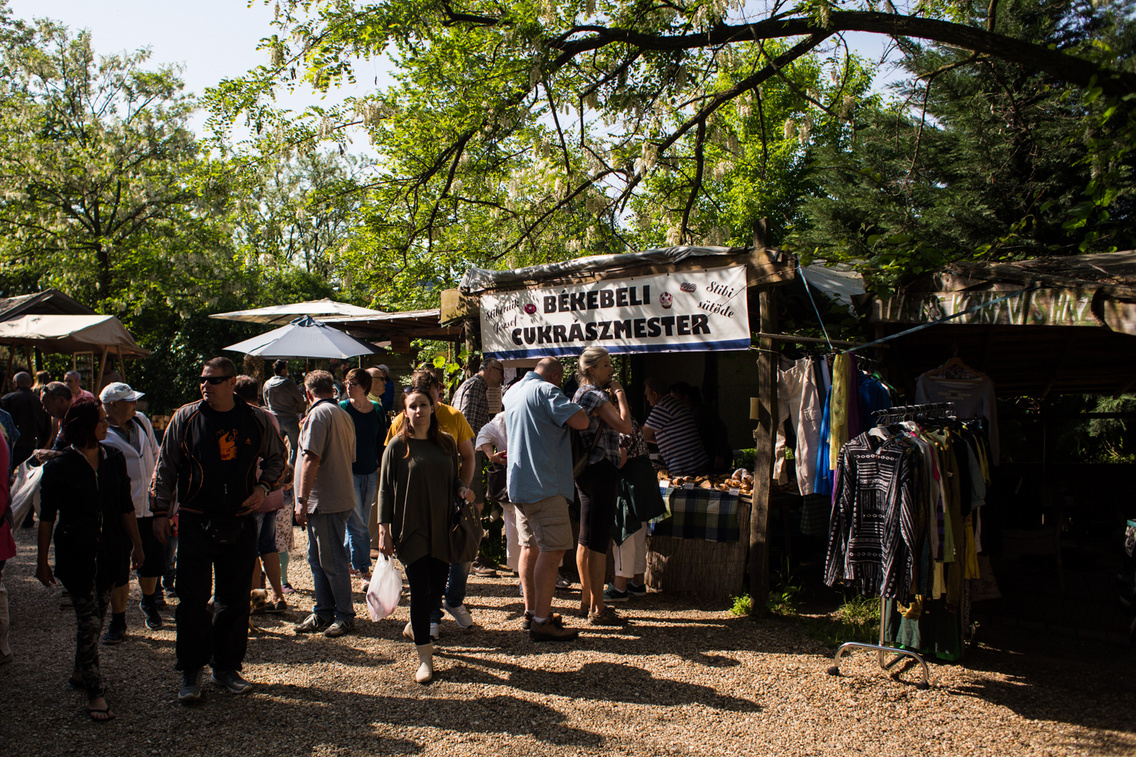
{"x":42,"y":379}
{"x":417,"y":485}
{"x":598,"y":481}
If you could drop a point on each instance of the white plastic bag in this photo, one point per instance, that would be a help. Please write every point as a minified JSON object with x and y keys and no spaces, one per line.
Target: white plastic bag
{"x":385,"y":589}
{"x":25,"y":491}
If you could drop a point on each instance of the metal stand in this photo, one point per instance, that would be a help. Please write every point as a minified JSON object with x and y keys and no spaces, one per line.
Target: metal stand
{"x":882,"y":651}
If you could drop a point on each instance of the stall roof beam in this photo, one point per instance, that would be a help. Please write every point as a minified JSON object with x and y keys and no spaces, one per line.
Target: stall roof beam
{"x":763,"y":268}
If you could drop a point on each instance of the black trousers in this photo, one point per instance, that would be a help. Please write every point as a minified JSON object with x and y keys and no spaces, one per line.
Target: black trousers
{"x":597,"y":486}
{"x":219,"y":638}
{"x":427,"y":578}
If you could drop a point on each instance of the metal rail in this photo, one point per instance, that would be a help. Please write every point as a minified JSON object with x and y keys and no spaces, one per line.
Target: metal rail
{"x":882,"y":650}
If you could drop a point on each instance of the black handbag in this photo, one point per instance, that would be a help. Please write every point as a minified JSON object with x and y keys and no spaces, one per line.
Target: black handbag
{"x":496,"y":483}
{"x":465,"y":532}
{"x":580,"y":453}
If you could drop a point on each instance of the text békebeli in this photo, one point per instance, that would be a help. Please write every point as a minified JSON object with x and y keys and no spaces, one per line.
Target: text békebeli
{"x":596,"y":299}
{"x":622,"y":297}
{"x":639,"y":328}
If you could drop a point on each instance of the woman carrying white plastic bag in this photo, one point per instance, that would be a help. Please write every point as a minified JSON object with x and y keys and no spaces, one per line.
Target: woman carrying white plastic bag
{"x":417,"y":486}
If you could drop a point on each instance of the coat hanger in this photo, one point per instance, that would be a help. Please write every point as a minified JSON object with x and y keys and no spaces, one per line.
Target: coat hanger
{"x":954,"y":368}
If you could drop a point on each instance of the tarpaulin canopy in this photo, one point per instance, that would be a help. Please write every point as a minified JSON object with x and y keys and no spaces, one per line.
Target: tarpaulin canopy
{"x":70,"y":334}
{"x":283,"y":314}
{"x":303,"y":337}
{"x":482,"y":280}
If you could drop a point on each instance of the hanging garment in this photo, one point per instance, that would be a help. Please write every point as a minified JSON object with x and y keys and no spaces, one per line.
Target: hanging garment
{"x":972,"y":394}
{"x":799,"y":401}
{"x":876,"y":518}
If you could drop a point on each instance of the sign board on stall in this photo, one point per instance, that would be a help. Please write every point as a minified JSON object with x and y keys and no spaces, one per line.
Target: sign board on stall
{"x":694,"y":311}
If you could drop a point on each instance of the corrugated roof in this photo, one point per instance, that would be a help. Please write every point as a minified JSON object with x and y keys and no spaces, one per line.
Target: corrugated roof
{"x":1070,"y":330}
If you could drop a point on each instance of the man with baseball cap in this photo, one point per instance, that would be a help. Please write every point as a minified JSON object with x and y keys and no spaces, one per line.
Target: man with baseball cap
{"x":130,"y":432}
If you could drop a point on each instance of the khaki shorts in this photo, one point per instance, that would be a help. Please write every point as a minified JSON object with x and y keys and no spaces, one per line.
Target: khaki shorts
{"x":545,"y":525}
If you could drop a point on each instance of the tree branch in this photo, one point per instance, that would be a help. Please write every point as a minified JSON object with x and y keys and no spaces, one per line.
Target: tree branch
{"x":1053,"y":62}
{"x":696,"y":180}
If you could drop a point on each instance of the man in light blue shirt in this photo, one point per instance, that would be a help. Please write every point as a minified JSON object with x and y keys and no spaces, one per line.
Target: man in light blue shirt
{"x":537,"y":418}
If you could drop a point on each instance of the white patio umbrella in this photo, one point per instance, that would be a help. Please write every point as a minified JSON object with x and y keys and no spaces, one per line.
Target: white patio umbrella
{"x":283,"y":314}
{"x":303,"y":337}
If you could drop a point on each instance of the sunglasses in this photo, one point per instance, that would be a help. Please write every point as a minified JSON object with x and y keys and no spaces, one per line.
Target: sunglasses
{"x":214,"y":380}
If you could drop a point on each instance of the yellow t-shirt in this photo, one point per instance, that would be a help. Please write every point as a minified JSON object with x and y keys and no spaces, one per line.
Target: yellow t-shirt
{"x":450,"y":420}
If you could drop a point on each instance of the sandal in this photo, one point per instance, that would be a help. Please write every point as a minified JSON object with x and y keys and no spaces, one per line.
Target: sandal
{"x":105,"y":711}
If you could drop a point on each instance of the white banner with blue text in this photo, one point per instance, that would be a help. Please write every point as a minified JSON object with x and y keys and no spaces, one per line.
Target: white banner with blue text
{"x":695,"y":311}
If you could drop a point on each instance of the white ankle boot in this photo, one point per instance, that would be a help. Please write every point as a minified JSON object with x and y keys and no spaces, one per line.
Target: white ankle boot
{"x":425,"y":672}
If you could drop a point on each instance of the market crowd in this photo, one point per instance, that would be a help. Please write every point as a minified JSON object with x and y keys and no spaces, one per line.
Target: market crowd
{"x":206,"y":516}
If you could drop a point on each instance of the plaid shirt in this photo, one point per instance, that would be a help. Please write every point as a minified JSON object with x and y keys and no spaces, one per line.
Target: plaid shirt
{"x":589,"y":397}
{"x":472,"y":401}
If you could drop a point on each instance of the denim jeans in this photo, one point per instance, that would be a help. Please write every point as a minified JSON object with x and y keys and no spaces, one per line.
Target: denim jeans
{"x":358,"y":531}
{"x":455,"y":589}
{"x":327,"y":558}
{"x":290,"y":429}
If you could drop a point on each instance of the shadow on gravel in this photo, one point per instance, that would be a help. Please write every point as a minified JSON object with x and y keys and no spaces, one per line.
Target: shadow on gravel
{"x":1045,"y":678}
{"x":491,"y":715}
{"x":614,"y":682}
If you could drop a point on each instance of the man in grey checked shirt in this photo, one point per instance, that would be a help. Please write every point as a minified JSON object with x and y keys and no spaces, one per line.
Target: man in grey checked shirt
{"x":472,"y":400}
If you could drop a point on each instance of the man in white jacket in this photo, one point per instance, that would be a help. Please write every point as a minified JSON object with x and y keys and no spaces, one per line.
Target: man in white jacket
{"x":131,"y":432}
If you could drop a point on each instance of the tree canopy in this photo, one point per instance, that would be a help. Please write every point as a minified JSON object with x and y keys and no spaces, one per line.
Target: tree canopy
{"x":107,"y":195}
{"x":521,"y":131}
{"x":93,"y":160}
{"x":983,"y":159}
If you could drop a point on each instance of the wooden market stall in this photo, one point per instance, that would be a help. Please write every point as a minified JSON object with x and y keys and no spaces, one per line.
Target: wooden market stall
{"x":702,"y":302}
{"x":101,"y":335}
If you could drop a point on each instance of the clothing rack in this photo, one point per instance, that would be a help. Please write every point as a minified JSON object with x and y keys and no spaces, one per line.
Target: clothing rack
{"x":925,"y":412}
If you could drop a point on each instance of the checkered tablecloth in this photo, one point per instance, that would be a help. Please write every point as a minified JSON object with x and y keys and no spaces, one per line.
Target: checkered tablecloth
{"x":699,"y":514}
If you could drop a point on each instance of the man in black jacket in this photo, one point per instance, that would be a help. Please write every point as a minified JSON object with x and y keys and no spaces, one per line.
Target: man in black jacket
{"x":32,"y":421}
{"x":208,"y":464}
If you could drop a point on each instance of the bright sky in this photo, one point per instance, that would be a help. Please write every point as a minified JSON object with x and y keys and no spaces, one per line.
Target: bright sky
{"x":214,"y":39}
{"x":211,"y":39}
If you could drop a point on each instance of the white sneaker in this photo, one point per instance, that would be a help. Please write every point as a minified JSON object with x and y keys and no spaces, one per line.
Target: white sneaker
{"x":460,"y":613}
{"x":435,"y":631}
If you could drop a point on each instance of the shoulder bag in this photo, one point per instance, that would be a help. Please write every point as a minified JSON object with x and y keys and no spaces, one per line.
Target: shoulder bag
{"x":581,"y":454}
{"x":465,"y":532}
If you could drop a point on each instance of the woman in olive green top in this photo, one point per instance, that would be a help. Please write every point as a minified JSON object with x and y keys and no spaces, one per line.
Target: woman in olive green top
{"x":417,"y":485}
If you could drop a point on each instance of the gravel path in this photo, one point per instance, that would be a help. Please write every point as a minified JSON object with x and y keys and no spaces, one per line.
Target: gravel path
{"x":680,"y":679}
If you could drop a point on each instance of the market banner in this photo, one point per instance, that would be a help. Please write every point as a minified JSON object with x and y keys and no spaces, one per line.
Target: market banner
{"x":695,"y":311}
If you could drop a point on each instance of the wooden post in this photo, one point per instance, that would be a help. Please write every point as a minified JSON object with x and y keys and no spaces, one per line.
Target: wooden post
{"x":764,"y":437}
{"x":97,"y":383}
